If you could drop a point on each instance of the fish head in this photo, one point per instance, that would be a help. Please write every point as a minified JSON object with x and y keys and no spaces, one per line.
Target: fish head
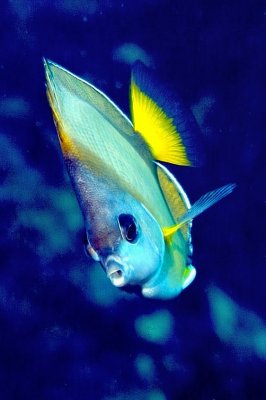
{"x":127,"y":240}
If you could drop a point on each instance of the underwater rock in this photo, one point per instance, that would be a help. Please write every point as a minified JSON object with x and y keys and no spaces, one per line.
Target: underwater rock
{"x":156,"y":327}
{"x":236,"y":326}
{"x":14,"y":107}
{"x":49,"y":213}
{"x":128,"y":53}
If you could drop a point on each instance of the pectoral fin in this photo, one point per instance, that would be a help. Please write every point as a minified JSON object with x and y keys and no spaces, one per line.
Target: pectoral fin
{"x":197,"y":208}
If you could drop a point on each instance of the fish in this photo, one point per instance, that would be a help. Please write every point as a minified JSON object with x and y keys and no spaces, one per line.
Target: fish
{"x":137,"y":216}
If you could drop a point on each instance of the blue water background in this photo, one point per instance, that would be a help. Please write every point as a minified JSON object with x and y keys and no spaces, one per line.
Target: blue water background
{"x":65,"y":333}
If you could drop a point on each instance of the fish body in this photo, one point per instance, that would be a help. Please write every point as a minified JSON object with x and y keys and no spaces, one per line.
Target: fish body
{"x":137,"y":216}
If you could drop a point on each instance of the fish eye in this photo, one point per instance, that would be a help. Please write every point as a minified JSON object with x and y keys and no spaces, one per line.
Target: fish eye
{"x":128,"y":227}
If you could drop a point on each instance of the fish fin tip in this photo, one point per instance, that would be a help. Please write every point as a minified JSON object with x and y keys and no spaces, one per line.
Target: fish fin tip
{"x":188,"y":276}
{"x":46,"y":61}
{"x":205,"y":202}
{"x":48,"y":65}
{"x":169,"y":129}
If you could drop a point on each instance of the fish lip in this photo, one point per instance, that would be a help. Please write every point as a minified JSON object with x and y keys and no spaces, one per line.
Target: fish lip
{"x":115,"y":271}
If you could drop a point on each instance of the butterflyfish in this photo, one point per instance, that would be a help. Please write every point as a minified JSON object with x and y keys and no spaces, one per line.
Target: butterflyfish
{"x":136,"y":214}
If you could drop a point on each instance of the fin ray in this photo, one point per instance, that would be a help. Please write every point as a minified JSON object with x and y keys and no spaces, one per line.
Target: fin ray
{"x":204,"y":202}
{"x":169,"y":128}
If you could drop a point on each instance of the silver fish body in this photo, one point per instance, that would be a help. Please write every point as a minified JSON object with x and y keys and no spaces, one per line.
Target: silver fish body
{"x":137,"y":216}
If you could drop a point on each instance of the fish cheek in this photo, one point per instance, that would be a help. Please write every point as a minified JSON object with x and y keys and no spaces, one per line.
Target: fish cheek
{"x":103,"y":237}
{"x":144,"y":258}
{"x":150,"y":255}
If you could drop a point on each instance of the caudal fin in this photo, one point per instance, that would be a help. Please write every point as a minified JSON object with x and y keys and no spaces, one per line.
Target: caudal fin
{"x":167,"y":126}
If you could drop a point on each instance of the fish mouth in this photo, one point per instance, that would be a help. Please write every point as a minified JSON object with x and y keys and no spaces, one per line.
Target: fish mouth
{"x":116,"y":272}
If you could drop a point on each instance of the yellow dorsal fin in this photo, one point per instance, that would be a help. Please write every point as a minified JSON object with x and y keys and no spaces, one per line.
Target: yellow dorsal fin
{"x":197,"y":208}
{"x":175,"y":197}
{"x":168,"y":128}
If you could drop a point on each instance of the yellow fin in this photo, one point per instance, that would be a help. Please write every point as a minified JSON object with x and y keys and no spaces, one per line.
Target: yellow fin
{"x":166,"y":126}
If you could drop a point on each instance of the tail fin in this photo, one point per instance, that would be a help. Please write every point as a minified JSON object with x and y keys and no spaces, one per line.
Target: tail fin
{"x":167,"y":126}
{"x":204,"y":202}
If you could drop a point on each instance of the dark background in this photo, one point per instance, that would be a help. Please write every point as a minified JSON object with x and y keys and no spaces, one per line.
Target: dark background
{"x":65,"y":333}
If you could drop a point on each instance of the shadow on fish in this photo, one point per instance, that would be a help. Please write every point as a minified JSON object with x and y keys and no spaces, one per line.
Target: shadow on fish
{"x":137,"y":216}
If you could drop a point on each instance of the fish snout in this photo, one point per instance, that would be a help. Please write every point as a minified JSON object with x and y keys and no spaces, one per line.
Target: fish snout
{"x":116,"y":271}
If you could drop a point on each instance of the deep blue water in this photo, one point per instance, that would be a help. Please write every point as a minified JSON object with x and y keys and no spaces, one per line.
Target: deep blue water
{"x":65,"y":333}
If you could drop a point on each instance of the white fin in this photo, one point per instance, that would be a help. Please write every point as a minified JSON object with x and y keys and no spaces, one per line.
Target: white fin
{"x":189,"y":276}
